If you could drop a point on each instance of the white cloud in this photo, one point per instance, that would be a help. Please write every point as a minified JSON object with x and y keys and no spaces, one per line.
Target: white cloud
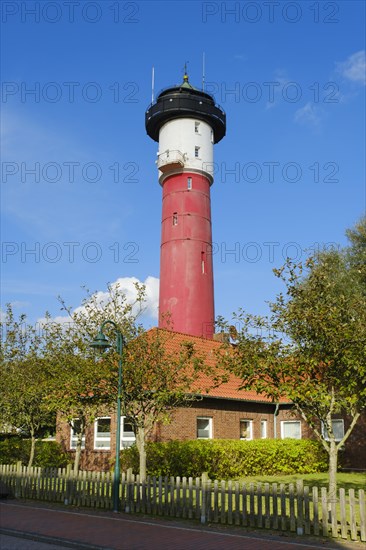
{"x":18,"y":304}
{"x":2,"y":315}
{"x":152,"y":296}
{"x":354,"y":68}
{"x":307,"y":115}
{"x":275,"y":88}
{"x":126,"y":287}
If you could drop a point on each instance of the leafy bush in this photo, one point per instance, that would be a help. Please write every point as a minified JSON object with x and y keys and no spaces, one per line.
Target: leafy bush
{"x":48,"y":454}
{"x":13,"y":450}
{"x":228,"y":459}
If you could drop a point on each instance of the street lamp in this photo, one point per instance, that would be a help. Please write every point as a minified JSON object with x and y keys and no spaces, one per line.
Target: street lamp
{"x":101,"y":343}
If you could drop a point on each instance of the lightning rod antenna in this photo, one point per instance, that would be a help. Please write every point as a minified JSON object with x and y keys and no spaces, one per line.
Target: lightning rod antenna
{"x":152,"y":84}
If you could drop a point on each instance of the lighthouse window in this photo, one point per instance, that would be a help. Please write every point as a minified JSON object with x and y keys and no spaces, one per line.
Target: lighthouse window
{"x":197,"y":152}
{"x":203,"y":262}
{"x":175,"y":218}
{"x":189,"y":184}
{"x":197,"y":127}
{"x":212,"y":136}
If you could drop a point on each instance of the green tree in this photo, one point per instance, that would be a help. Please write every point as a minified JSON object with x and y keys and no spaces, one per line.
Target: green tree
{"x":84,"y":388}
{"x":155,"y":380}
{"x":24,"y":374}
{"x":357,"y":251}
{"x":159,"y":374}
{"x":312,"y":347}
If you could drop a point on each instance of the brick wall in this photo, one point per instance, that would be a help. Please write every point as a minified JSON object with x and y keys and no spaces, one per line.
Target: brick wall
{"x":92,"y":459}
{"x":226,"y":416}
{"x":353,"y":457}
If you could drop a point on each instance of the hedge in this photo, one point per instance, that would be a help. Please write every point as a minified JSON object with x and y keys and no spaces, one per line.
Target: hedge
{"x":224,"y":459}
{"x":48,"y":454}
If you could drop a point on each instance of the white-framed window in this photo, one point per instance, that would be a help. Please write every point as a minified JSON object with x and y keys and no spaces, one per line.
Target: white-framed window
{"x":204,"y":427}
{"x":189,"y":184}
{"x":197,"y":127}
{"x":74,"y":430}
{"x":102,"y":433}
{"x":128,"y":437}
{"x":175,"y":218}
{"x":291,"y":429}
{"x":263,"y":429}
{"x":337,"y":427}
{"x":197,"y":152}
{"x":246,"y":429}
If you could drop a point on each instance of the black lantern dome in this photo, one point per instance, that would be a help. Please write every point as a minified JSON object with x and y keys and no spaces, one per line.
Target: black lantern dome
{"x":185,"y":101}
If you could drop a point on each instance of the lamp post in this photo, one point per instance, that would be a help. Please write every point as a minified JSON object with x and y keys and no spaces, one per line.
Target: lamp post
{"x":101,"y":343}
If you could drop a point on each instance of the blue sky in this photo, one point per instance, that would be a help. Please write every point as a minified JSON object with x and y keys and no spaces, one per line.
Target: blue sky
{"x":81,"y":203}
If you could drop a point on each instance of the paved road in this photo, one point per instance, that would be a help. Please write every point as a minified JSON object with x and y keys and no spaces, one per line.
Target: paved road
{"x":104,"y":530}
{"x":19,"y":543}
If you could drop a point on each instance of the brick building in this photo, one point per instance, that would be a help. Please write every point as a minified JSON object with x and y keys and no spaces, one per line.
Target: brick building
{"x":226,"y":412}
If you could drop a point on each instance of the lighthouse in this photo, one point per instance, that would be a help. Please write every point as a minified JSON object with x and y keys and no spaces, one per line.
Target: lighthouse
{"x":186,"y":122}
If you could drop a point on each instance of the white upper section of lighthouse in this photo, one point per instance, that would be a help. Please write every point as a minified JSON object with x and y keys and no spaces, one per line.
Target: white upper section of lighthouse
{"x":185,"y":145}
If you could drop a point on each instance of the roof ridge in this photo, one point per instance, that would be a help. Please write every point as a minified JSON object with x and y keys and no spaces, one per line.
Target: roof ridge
{"x":201,"y":338}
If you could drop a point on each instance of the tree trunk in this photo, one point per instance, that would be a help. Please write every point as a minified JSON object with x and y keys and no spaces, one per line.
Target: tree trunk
{"x":333,"y":461}
{"x":78,"y":452}
{"x":140,"y":443}
{"x":33,"y":448}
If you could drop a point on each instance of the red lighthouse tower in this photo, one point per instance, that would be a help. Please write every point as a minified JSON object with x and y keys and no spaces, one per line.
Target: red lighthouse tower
{"x":186,"y":122}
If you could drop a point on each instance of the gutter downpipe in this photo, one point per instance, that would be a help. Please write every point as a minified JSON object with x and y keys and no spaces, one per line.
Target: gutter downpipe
{"x":277,"y":406}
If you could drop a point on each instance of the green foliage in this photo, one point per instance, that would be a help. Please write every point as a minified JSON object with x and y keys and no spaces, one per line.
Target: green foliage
{"x":156,"y":380}
{"x":228,"y":459}
{"x":13,"y":450}
{"x":158,"y":376}
{"x":311,"y":349}
{"x":83,"y":386}
{"x":347,"y":480}
{"x":25,"y":374}
{"x":50,"y":368}
{"x":54,"y":370}
{"x":48,"y":454}
{"x":357,"y":256}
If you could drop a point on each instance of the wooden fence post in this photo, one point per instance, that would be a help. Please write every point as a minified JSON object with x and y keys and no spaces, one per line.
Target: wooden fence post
{"x":315,"y":495}
{"x":69,"y":495}
{"x":324,"y":496}
{"x":275,"y":506}
{"x":18,"y":485}
{"x":352,"y":513}
{"x":342,"y":504}
{"x":300,"y":507}
{"x":361,"y":500}
{"x":292,"y":507}
{"x":128,"y":491}
{"x":230,"y":502}
{"x":204,"y":497}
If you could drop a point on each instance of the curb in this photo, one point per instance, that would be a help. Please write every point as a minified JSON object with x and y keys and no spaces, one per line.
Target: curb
{"x":51,"y":540}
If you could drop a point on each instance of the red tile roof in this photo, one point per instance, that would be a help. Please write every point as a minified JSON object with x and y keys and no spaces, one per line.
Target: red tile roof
{"x":207,"y":350}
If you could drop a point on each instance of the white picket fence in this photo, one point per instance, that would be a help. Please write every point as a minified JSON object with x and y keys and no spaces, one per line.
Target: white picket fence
{"x":289,"y":508}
